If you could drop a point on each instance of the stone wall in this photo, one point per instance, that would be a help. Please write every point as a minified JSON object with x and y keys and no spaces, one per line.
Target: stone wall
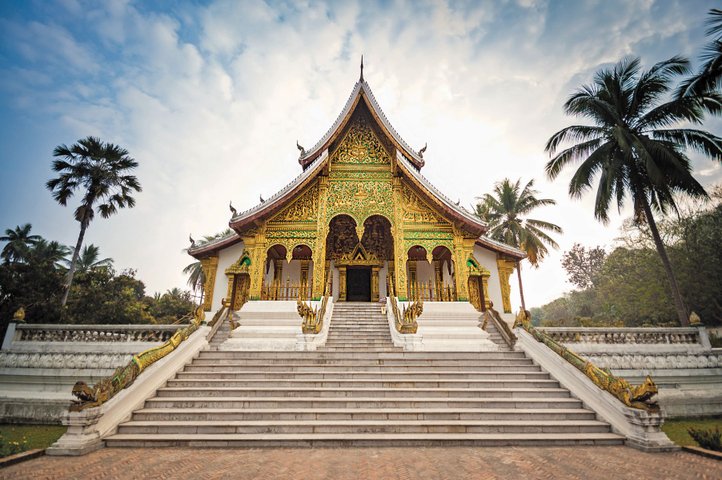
{"x":681,"y":361}
{"x":39,"y":364}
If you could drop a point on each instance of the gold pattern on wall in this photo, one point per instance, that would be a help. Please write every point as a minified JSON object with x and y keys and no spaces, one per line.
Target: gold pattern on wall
{"x":415,"y":210}
{"x":304,"y":208}
{"x":360,"y":144}
{"x":360,"y":200}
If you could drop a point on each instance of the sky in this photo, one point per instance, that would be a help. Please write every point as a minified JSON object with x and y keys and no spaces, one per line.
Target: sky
{"x":210,"y":98}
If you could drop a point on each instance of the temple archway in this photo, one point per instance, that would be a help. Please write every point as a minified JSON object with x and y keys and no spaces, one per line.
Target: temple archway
{"x":430,"y":277}
{"x":287,"y":280}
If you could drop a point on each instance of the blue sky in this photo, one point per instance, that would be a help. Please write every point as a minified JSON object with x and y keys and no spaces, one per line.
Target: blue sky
{"x":210,"y":98}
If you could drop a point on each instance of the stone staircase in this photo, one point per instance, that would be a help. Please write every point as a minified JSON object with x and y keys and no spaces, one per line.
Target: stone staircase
{"x":360,"y":390}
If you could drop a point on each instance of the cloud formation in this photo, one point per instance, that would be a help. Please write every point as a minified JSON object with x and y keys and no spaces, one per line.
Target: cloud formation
{"x":210,"y":99}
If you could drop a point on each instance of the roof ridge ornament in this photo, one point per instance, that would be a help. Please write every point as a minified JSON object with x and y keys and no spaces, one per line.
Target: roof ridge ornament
{"x":300,"y":149}
{"x":361,"y":78}
{"x":421,"y":152}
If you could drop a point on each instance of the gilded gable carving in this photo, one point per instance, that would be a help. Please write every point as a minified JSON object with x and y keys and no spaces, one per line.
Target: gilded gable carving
{"x":414,"y":210}
{"x":361,"y":145}
{"x":304,"y":208}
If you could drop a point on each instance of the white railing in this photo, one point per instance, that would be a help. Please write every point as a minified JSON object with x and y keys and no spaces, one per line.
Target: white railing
{"x":624,"y":336}
{"x":93,"y":333}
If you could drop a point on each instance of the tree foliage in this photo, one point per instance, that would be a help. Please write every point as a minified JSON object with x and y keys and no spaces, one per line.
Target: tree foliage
{"x":583,"y":265}
{"x":35,"y":281}
{"x":637,"y":145}
{"x":18,"y":243}
{"x":630,"y":288}
{"x":506,"y":211}
{"x":100,"y":170}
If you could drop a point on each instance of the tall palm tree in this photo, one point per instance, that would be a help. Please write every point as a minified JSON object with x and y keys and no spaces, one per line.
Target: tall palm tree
{"x":19,"y":240}
{"x":89,"y":259}
{"x":100,"y":170}
{"x":505,"y":211}
{"x":635,"y":145}
{"x":709,"y":76}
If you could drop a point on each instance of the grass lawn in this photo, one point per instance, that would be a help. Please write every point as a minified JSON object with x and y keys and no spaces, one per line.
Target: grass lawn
{"x":676,"y":429}
{"x":28,"y":436}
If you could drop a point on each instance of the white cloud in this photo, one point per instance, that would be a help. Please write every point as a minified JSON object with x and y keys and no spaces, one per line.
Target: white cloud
{"x":210,"y":100}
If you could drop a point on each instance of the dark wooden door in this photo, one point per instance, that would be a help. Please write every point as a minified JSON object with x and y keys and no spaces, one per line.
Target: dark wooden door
{"x":358,"y":284}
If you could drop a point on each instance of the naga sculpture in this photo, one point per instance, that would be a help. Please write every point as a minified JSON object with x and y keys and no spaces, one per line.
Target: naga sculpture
{"x":123,"y":377}
{"x":635,"y":396}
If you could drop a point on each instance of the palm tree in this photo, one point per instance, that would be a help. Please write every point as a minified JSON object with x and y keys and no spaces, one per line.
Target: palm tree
{"x":505,"y":212}
{"x":51,"y":254}
{"x":709,"y":75}
{"x":196,"y":277}
{"x":19,"y":240}
{"x":100,"y":169}
{"x":88,"y":259}
{"x":635,"y":146}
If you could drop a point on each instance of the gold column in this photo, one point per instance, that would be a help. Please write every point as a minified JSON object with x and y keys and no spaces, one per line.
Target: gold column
{"x":413,"y":288}
{"x":341,"y":284}
{"x":505,"y":268}
{"x":209,"y":266}
{"x":375,"y":284}
{"x":485,"y":288}
{"x":463,"y":247}
{"x":303,"y":287}
{"x":256,"y":247}
{"x":439,"y":280}
{"x":319,"y":253}
{"x":398,"y":238}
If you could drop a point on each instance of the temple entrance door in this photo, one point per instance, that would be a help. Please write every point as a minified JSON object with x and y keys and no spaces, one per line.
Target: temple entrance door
{"x":358,"y":284}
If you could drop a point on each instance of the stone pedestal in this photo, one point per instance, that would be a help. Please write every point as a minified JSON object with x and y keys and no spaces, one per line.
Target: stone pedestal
{"x":82,"y":436}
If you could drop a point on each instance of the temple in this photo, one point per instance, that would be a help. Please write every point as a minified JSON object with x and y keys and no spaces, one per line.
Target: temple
{"x":361,"y":218}
{"x":359,"y":306}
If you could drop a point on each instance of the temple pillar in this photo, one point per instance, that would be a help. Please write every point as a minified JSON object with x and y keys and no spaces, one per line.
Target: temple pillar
{"x":303,"y":287}
{"x":375,"y":284}
{"x":399,"y":265}
{"x":505,"y":268}
{"x":320,"y":274}
{"x":341,"y":284}
{"x":438,"y":280}
{"x":256,"y":247}
{"x":209,"y":265}
{"x":413,"y":289}
{"x":485,"y":289}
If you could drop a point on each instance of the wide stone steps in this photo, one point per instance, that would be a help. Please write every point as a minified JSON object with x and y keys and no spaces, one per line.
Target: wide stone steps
{"x":362,"y":426}
{"x":291,"y":356}
{"x":377,"y":375}
{"x":346,"y":392}
{"x":314,"y":413}
{"x":346,"y":367}
{"x":361,"y":402}
{"x":359,"y":390}
{"x":360,"y":440}
{"x":393,"y":382}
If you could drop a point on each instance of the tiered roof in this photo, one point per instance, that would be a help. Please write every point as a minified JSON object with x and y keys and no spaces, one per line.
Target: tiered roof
{"x":314,"y":160}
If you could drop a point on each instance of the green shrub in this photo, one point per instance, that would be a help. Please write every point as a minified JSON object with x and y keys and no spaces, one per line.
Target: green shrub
{"x":12,"y":447}
{"x":709,"y":439}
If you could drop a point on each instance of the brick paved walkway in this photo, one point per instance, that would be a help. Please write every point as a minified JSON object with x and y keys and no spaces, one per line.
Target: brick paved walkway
{"x":608,"y":463}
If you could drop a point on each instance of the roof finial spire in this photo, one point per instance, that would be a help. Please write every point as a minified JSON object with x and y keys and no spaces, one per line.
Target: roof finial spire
{"x":362,"y":69}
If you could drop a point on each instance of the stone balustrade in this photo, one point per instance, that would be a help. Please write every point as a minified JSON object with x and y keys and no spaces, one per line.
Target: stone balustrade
{"x":94,"y":333}
{"x":625,"y":336}
{"x":650,"y":362}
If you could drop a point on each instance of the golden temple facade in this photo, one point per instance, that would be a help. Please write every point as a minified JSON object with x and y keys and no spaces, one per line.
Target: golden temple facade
{"x":362,"y":220}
